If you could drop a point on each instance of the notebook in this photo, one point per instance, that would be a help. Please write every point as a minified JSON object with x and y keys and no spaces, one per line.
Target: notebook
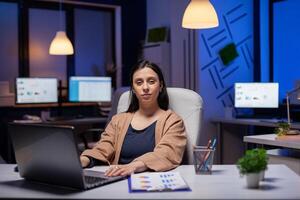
{"x":49,"y":154}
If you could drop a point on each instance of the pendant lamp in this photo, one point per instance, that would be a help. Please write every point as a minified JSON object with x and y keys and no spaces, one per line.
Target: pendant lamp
{"x":200,"y":14}
{"x":61,"y":45}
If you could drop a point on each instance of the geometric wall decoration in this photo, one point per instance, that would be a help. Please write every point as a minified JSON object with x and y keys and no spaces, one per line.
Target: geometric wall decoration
{"x":235,"y":29}
{"x":228,"y":53}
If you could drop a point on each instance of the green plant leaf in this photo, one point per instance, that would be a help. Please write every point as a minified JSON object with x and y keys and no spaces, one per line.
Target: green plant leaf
{"x":253,"y":161}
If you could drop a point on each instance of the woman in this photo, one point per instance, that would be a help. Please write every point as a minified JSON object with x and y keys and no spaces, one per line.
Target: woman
{"x":146,"y":137}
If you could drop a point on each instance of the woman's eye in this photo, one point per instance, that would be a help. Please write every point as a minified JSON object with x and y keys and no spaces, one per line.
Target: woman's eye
{"x":152,"y":81}
{"x":139,"y":82}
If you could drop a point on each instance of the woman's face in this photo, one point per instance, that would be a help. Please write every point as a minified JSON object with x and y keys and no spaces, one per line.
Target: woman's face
{"x":146,"y":85}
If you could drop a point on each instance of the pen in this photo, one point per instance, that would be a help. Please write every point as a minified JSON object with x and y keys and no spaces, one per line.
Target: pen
{"x":207,"y":152}
{"x":212,"y":147}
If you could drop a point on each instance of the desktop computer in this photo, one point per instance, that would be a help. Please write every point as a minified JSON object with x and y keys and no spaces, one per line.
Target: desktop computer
{"x":31,"y":90}
{"x":256,"y":95}
{"x":90,"y":89}
{"x":257,"y":100}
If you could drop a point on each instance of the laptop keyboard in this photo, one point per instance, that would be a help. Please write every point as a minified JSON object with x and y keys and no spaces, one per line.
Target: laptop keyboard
{"x":92,"y":181}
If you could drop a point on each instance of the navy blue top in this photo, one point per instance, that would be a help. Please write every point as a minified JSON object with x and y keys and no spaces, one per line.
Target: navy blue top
{"x":137,"y":143}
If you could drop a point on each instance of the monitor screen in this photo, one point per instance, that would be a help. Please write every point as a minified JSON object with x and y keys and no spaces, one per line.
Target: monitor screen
{"x":256,"y":95}
{"x":36,"y":90}
{"x":90,"y":89}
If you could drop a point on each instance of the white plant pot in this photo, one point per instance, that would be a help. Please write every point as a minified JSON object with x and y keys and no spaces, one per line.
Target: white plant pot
{"x":262,"y":175}
{"x":253,"y":180}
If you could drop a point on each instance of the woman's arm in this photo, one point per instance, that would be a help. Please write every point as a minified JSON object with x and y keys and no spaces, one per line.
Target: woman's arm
{"x":105,"y":147}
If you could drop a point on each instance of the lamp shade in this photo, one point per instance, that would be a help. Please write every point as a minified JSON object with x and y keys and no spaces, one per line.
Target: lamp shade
{"x":200,"y":14}
{"x":61,"y":45}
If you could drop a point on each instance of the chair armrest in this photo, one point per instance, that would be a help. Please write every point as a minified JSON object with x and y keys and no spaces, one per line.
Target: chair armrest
{"x":90,"y":136}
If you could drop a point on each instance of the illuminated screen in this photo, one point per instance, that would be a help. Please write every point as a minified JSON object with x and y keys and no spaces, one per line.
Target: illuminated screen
{"x":89,"y":89}
{"x":36,"y":90}
{"x":256,"y":95}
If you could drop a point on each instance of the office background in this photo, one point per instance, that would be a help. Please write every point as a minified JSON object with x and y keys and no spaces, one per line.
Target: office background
{"x":263,"y":33}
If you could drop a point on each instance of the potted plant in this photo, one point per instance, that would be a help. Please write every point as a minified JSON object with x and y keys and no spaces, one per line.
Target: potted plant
{"x":252,"y":165}
{"x":282,"y":129}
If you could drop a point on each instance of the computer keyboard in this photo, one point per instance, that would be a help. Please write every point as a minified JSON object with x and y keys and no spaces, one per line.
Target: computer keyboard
{"x":92,"y":181}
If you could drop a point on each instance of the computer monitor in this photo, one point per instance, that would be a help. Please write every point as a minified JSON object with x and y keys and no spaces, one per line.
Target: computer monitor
{"x":36,"y":90}
{"x":256,"y":95}
{"x":90,"y":89}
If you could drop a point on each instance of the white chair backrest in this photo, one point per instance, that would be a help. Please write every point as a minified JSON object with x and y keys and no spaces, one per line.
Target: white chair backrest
{"x":115,"y":101}
{"x":188,"y":105}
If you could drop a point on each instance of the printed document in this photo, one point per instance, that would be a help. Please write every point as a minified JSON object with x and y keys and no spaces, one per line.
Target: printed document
{"x":158,"y":181}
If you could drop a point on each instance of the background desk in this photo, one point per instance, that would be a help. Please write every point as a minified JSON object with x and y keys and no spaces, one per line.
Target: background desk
{"x":87,"y":129}
{"x":80,"y":121}
{"x":270,"y":139}
{"x":224,"y":183}
{"x":237,"y":139}
{"x":9,"y":114}
{"x":289,"y":157}
{"x":80,"y":125}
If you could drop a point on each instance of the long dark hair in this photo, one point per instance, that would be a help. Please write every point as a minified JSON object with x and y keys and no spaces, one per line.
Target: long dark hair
{"x":162,"y":99}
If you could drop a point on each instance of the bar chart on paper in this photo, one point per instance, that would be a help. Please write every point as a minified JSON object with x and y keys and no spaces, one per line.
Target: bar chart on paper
{"x":157,"y":181}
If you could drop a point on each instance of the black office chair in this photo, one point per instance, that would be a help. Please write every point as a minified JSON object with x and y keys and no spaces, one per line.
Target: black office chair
{"x":91,"y":136}
{"x":2,"y":161}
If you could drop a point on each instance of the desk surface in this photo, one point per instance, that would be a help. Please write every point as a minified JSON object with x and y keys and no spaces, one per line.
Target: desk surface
{"x":74,"y":121}
{"x":224,"y":183}
{"x":253,"y":122}
{"x":270,"y":139}
{"x":80,"y":121}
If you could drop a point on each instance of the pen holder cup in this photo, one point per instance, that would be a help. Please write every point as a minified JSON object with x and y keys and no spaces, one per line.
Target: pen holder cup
{"x":203,"y":159}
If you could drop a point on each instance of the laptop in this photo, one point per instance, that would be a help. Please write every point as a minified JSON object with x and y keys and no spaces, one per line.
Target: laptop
{"x":49,"y":154}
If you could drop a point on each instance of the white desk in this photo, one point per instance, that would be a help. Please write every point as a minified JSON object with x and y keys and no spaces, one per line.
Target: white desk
{"x":224,"y":183}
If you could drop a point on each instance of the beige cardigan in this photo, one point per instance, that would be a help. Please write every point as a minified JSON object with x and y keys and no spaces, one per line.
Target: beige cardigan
{"x":170,"y":142}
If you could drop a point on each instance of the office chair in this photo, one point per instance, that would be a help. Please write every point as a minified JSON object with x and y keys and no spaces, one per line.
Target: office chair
{"x":2,"y":161}
{"x":188,"y":105}
{"x":97,"y":131}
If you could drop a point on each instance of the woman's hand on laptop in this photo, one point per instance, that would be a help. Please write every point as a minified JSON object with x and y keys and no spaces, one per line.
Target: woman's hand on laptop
{"x":85,"y":161}
{"x":125,"y":170}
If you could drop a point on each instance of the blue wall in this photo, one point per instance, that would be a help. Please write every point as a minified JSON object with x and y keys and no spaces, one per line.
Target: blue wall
{"x":216,"y":79}
{"x":286,"y":44}
{"x":9,"y":43}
